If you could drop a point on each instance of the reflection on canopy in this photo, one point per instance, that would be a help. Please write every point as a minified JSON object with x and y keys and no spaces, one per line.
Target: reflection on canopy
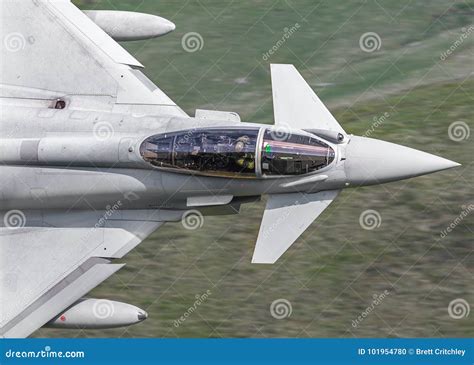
{"x":222,"y":152}
{"x":293,"y":154}
{"x":233,"y":152}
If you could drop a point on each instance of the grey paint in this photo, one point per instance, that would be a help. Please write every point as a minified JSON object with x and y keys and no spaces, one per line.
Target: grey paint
{"x":130,"y":26}
{"x":90,"y":313}
{"x":74,"y":190}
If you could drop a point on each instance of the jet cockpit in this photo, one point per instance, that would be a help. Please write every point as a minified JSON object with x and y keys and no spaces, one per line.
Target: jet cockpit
{"x":238,"y":152}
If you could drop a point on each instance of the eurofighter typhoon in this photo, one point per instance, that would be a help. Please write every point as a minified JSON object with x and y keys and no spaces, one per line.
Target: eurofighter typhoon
{"x":94,"y":158}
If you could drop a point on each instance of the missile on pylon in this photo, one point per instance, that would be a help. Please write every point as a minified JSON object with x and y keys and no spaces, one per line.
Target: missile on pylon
{"x":89,"y":313}
{"x":130,"y":26}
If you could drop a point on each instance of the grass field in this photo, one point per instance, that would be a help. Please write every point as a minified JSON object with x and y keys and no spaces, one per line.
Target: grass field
{"x":229,"y":73}
{"x":331,"y":274}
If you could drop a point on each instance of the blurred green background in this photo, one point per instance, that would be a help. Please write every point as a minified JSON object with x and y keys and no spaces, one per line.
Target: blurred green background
{"x":331,"y":274}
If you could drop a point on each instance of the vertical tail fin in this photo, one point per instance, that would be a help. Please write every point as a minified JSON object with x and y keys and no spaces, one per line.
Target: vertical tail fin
{"x":295,"y":104}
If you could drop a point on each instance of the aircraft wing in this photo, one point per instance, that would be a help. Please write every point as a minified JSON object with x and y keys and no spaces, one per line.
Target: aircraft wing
{"x":285,"y":218}
{"x":50,"y":49}
{"x":49,"y":260}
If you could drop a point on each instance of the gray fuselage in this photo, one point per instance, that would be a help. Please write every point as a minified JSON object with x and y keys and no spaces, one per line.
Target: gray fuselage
{"x":74,"y":159}
{"x":58,"y":159}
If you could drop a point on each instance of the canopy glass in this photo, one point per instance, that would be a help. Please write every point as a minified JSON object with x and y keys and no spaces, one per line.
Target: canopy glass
{"x":237,"y":152}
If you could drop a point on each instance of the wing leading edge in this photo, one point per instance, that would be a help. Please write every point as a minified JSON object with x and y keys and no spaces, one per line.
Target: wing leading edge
{"x":51,"y":49}
{"x":56,"y":258}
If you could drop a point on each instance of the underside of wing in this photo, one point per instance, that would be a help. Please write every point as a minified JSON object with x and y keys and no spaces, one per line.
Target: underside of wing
{"x":285,"y":218}
{"x":56,"y":258}
{"x":50,"y":50}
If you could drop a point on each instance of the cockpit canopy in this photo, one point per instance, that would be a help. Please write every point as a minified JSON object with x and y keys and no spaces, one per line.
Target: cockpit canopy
{"x":237,"y":152}
{"x":222,"y":152}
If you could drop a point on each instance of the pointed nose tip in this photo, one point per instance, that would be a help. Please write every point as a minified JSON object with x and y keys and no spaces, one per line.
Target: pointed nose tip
{"x":158,"y":26}
{"x":165,"y":26}
{"x":370,"y":161}
{"x":426,"y":163}
{"x":440,"y":163}
{"x":142,"y":315}
{"x":170,"y":26}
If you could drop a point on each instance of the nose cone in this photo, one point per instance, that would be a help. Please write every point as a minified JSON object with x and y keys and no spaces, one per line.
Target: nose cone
{"x":371,"y":161}
{"x":157,"y":26}
{"x":163,"y":26}
{"x":142,"y":315}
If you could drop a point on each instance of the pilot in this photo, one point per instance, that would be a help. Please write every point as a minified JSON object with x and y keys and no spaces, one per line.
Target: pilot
{"x":241,"y":143}
{"x":245,"y":159}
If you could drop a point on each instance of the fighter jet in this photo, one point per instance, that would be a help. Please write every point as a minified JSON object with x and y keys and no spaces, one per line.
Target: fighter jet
{"x":94,"y":157}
